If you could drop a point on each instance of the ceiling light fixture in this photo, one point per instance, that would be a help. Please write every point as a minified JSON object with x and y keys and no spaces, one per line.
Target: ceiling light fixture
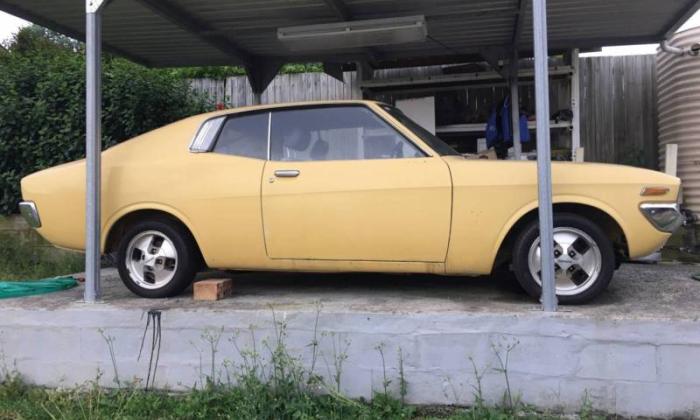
{"x":354,"y":34}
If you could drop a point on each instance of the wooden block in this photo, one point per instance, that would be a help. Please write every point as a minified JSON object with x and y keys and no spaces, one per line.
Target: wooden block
{"x":213,"y":289}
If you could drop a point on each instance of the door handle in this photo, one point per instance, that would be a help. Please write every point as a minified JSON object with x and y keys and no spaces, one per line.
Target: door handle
{"x":287,"y":173}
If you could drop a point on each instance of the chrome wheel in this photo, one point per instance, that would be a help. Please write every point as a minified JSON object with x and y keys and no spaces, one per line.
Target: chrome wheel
{"x":151,"y":259}
{"x":577,"y":261}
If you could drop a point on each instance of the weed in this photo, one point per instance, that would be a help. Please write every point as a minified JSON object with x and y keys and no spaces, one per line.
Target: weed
{"x":24,"y":255}
{"x":403,"y":384}
{"x":503,"y":351}
{"x":268,"y":383}
{"x":110,"y":346}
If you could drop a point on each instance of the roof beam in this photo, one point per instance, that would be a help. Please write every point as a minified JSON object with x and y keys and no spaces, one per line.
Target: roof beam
{"x":202,"y":30}
{"x":680,"y":19}
{"x":65,"y":30}
{"x":493,"y":56}
{"x":335,"y":70}
{"x":261,"y":73}
{"x":340,"y":9}
{"x":94,"y":6}
{"x":519,"y":22}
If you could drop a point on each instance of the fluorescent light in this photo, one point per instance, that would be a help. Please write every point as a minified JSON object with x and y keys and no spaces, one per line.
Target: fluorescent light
{"x":355,"y":34}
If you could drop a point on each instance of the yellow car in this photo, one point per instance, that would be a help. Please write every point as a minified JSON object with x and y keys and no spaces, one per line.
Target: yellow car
{"x":345,"y":186}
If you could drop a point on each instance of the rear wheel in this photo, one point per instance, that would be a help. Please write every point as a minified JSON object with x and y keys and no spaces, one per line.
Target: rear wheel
{"x":157,"y":258}
{"x":584,"y":259}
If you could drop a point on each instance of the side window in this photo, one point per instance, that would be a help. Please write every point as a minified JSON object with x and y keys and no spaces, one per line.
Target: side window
{"x":244,"y":135}
{"x":336,"y":133}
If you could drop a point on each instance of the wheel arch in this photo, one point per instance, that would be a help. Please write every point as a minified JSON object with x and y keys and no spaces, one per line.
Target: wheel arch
{"x":599,"y":213}
{"x":116,"y":227}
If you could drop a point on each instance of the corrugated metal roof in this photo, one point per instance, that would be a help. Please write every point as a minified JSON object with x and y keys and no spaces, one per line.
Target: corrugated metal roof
{"x":167,"y":33}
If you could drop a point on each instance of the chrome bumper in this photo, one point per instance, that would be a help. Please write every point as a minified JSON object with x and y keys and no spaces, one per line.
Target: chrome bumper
{"x":30,"y":213}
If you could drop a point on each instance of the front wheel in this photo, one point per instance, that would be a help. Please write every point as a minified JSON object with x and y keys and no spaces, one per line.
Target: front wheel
{"x":584,"y":259}
{"x":156,"y":258}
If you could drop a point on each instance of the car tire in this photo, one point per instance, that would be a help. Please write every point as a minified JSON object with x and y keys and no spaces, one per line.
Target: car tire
{"x":584,"y":258}
{"x":157,"y":258}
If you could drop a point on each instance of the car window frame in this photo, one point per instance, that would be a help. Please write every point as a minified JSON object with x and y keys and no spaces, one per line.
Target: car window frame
{"x":231,"y":116}
{"x":391,"y":122}
{"x":386,"y":121}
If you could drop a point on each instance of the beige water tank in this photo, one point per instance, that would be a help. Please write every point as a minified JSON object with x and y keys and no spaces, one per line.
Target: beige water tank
{"x":678,"y":79}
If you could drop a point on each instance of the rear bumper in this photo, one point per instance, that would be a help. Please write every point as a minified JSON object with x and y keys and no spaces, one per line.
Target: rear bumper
{"x":30,"y":213}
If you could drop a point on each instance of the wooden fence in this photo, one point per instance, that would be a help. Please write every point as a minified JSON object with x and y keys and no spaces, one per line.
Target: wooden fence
{"x":236,"y":91}
{"x":618,"y":101}
{"x":618,"y":110}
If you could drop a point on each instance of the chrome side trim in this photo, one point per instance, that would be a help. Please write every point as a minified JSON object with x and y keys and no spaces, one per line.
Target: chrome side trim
{"x":30,"y":213}
{"x":269,"y":131}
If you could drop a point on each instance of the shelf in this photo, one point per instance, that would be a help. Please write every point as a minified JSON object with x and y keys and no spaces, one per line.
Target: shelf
{"x":481,"y":127}
{"x":458,"y":78}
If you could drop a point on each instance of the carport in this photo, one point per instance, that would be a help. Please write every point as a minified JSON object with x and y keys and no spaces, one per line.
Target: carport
{"x":261,"y":35}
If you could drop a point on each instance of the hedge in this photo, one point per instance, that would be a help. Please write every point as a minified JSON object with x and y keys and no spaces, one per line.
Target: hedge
{"x":42,"y":105}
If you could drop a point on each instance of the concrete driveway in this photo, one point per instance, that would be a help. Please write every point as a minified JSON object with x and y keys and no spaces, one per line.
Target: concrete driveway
{"x":662,"y":291}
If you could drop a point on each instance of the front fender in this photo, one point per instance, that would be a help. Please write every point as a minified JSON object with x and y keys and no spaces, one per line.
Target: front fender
{"x":562,"y":199}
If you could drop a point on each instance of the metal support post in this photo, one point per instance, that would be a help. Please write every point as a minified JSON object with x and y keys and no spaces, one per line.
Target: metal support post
{"x":544,"y":161}
{"x":93,"y":149}
{"x":515,"y":104}
{"x":575,"y":106}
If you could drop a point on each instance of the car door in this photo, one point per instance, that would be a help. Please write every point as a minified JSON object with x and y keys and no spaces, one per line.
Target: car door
{"x":343,"y":184}
{"x":221,"y":187}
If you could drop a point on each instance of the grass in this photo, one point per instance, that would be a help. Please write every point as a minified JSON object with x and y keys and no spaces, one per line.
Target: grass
{"x":252,"y":399}
{"x":266,"y":383}
{"x":24,"y":255}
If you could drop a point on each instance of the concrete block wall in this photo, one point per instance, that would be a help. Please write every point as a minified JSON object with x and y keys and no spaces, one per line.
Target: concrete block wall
{"x":625,"y":366}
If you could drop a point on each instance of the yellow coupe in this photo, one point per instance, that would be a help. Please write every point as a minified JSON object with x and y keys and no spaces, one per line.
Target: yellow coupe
{"x":345,"y":186}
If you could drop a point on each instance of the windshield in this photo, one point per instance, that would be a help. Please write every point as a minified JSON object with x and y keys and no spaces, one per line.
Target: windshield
{"x":439,"y":146}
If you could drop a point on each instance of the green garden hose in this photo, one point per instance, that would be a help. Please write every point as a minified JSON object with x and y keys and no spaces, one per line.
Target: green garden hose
{"x":12,"y":289}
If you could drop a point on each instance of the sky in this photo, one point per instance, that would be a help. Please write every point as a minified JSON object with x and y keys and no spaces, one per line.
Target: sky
{"x":10,"y":24}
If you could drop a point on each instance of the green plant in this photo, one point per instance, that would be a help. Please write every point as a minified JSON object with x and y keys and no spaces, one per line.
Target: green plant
{"x":403,"y":384}
{"x":222,"y":72}
{"x":25,"y":256}
{"x":503,"y":350}
{"x":273,"y":385}
{"x":42,"y":105}
{"x":109,"y":340}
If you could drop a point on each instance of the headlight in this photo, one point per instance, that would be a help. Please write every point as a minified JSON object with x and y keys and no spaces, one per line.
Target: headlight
{"x":664,"y":216}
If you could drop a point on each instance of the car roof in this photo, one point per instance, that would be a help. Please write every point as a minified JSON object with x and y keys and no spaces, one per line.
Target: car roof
{"x":237,"y":110}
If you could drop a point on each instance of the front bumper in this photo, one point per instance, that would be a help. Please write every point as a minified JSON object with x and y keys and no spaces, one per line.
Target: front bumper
{"x":30,"y":213}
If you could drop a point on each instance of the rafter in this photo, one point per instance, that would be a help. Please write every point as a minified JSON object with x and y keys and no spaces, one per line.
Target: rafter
{"x":205,"y":32}
{"x":519,"y":22}
{"x":340,"y":9}
{"x":680,"y":19}
{"x":493,"y":55}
